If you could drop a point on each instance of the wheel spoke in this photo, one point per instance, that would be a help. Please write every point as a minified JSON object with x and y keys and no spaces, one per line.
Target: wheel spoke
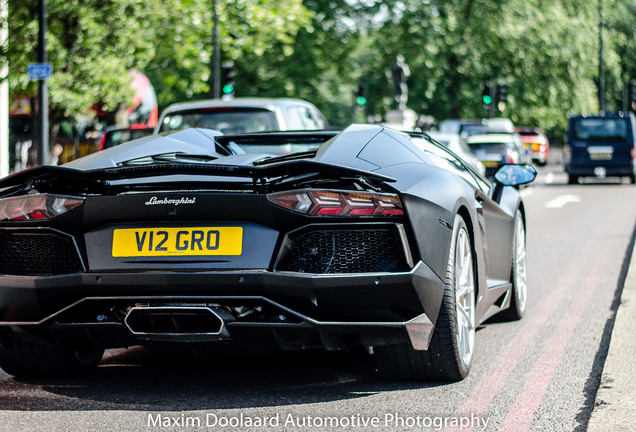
{"x":466,"y":315}
{"x":464,"y":297}
{"x":521,"y":289}
{"x":521,"y":256}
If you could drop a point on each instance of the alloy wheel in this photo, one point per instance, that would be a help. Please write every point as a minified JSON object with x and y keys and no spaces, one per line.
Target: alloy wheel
{"x":464,"y":297}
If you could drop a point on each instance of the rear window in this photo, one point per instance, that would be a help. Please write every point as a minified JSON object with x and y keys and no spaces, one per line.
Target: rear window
{"x":472,"y":129}
{"x":227,"y":121}
{"x":600,"y":129}
{"x":497,"y":147}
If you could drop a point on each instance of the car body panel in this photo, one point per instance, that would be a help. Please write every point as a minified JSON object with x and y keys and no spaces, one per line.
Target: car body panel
{"x":299,"y":281}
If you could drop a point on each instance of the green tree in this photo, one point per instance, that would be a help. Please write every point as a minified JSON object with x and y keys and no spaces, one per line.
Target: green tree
{"x":545,"y":51}
{"x":254,"y":34}
{"x":92,"y":46}
{"x":621,"y":26}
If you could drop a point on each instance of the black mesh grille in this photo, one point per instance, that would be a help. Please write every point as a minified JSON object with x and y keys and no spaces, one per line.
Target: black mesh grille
{"x":344,"y":251}
{"x":37,"y":254}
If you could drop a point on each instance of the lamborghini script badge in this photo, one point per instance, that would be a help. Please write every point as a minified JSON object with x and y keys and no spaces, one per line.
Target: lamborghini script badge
{"x":171,"y":201}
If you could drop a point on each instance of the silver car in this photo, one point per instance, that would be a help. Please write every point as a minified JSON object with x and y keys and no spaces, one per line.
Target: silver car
{"x":242,"y":115}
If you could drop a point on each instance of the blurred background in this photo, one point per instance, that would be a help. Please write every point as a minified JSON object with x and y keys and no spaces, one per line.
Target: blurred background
{"x":119,"y":62}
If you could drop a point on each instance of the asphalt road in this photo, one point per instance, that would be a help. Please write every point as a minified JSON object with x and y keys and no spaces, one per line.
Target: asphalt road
{"x":537,"y":374}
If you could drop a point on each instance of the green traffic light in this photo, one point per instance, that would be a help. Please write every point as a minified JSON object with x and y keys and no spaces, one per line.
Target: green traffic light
{"x":361,"y":100}
{"x":228,"y":88}
{"x":487,"y":99}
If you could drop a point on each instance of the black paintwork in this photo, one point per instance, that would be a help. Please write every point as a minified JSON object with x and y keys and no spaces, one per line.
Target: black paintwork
{"x":335,"y":310}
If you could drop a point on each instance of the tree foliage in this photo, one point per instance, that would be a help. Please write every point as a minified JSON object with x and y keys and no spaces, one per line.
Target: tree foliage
{"x":320,"y":50}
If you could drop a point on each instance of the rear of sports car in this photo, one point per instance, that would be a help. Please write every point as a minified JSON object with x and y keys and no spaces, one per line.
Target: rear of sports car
{"x":90,"y":261}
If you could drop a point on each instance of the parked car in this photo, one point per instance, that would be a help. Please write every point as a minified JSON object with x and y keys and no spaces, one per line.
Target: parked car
{"x":536,"y":142}
{"x":368,"y":240}
{"x":497,"y":149}
{"x":600,"y":146}
{"x":455,"y":144}
{"x":242,"y":115}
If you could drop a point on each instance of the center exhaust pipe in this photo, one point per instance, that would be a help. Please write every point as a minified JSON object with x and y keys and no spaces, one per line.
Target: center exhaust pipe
{"x":178,"y":323}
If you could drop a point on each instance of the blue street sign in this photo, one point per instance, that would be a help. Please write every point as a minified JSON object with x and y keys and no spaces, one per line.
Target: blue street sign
{"x":38,"y":71}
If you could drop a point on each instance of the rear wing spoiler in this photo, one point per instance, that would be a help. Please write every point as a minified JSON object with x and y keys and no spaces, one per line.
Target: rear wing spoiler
{"x":262,"y":174}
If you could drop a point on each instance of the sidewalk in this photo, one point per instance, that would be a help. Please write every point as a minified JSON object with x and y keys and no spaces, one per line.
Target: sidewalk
{"x":616,"y":398}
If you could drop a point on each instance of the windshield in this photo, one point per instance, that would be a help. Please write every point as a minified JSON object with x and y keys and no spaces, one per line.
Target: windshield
{"x":228,"y":121}
{"x":600,"y":128}
{"x":276,"y":149}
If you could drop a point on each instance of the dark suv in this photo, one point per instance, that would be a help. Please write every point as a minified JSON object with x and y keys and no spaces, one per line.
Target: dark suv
{"x":600,"y":146}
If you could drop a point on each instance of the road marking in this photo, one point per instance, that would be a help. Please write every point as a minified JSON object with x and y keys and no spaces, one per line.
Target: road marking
{"x":522,"y":411}
{"x":494,"y":379}
{"x":549,"y":178}
{"x":491,"y":383}
{"x":561,"y":201}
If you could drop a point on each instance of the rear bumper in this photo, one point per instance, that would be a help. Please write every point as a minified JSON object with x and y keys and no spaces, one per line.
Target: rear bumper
{"x":372,"y":308}
{"x":539,"y":156}
{"x":610,"y":169}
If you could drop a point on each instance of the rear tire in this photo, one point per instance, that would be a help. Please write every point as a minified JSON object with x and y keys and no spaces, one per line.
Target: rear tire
{"x":26,"y":359}
{"x":632,"y":178}
{"x":450,"y":353}
{"x":573,"y":179}
{"x":518,"y":274}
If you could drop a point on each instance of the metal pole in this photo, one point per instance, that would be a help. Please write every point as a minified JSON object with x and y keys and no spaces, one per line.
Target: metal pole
{"x":216,"y":61}
{"x":43,"y":92}
{"x":4,"y":91}
{"x":601,"y":70}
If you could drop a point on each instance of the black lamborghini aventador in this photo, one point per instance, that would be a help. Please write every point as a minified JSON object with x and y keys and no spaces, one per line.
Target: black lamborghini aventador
{"x":367,"y":236}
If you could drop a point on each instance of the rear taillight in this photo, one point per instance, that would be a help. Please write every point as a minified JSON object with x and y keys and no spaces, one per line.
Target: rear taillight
{"x":338,"y":203}
{"x":36,"y":206}
{"x":633,"y":152}
{"x":511,"y":158}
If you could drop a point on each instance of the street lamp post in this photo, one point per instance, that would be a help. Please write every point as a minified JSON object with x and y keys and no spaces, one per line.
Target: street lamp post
{"x":216,"y":55}
{"x":43,"y":92}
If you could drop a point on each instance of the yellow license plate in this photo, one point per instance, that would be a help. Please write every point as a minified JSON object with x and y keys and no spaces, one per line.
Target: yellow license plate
{"x":490,"y":164}
{"x":150,"y":242}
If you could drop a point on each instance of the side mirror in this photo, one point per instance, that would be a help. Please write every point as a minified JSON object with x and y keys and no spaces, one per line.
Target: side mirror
{"x":515,"y":175}
{"x":512,"y":175}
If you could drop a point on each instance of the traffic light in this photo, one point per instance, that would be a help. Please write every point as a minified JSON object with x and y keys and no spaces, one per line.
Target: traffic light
{"x":487,"y":96}
{"x":502,"y":92}
{"x":502,"y":96}
{"x":361,"y":95}
{"x":228,"y":73}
